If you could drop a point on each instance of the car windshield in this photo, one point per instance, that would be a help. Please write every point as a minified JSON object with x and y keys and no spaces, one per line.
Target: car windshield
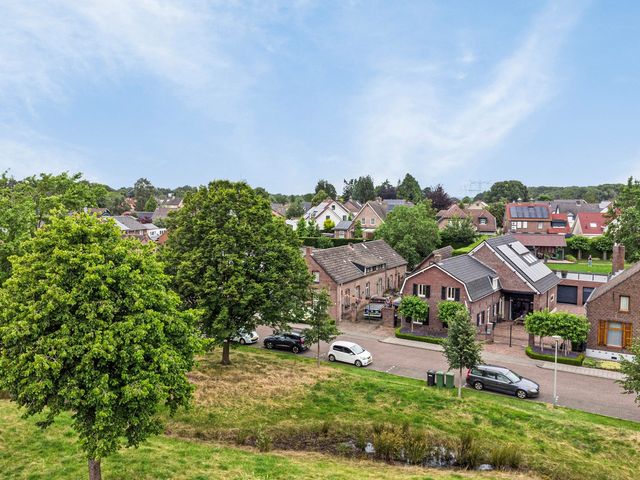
{"x":513,"y":377}
{"x":357,"y":349}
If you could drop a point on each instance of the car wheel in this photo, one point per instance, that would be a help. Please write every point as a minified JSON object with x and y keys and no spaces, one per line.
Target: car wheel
{"x":332,"y":358}
{"x":269,"y":345}
{"x":521,"y":394}
{"x":242,"y":341}
{"x":295,"y":349}
{"x":478,"y":386}
{"x":358,"y":363}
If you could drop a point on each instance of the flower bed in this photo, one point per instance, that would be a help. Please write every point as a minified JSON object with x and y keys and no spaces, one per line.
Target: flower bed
{"x":572,"y":360}
{"x":418,"y":338}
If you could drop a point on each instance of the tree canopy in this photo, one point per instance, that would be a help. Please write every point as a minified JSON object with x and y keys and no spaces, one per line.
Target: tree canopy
{"x":460,"y":347}
{"x":568,"y":326}
{"x":409,"y":189}
{"x":360,"y":189}
{"x":88,"y":325}
{"x":507,"y":191}
{"x":143,"y":189}
{"x":325,"y":186}
{"x":236,"y":262}
{"x":411,"y":231}
{"x":386,"y":190}
{"x":625,"y":218}
{"x":295,"y":209}
{"x":322,"y":328}
{"x":579,"y":244}
{"x":319,"y":197}
{"x":412,"y":307}
{"x":440,"y":200}
{"x":458,"y":232}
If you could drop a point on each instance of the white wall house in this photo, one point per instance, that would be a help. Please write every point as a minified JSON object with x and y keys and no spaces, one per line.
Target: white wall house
{"x":329,"y":209}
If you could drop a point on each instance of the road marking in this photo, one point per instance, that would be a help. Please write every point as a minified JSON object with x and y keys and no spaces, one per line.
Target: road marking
{"x":389,"y":369}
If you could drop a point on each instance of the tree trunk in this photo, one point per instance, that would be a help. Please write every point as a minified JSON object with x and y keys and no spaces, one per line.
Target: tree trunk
{"x":460,"y":384}
{"x":225,"y":353}
{"x":94,"y":469}
{"x":541,"y":344}
{"x":318,"y":356}
{"x":604,"y":255}
{"x":579,"y":254}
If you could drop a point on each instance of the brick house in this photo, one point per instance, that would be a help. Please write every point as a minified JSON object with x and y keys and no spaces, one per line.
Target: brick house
{"x":527,"y":284}
{"x":591,"y":224}
{"x":527,"y":218}
{"x":462,"y":279}
{"x":482,"y":219}
{"x":354,"y":273}
{"x":374,"y":213}
{"x":572,"y":207}
{"x":612,"y":310}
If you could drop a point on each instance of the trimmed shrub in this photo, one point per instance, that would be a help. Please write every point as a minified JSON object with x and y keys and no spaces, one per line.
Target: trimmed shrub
{"x":576,"y":361}
{"x":335,"y":242}
{"x":570,"y":258}
{"x":418,"y":338}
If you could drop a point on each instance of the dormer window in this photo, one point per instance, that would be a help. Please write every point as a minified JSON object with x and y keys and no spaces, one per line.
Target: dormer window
{"x":333,"y":207}
{"x":494,"y":283}
{"x":483,"y":220}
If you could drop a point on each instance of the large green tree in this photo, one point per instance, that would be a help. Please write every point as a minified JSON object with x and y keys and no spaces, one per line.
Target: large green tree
{"x":508,"y":190}
{"x":327,"y":187}
{"x":625,"y":219}
{"x":386,"y":190}
{"x":458,"y":232}
{"x":27,"y":204}
{"x":236,"y":262}
{"x":363,"y":189}
{"x":602,"y":244}
{"x":142,"y":190}
{"x":322,"y":328}
{"x":411,"y":231}
{"x":319,"y":197}
{"x":88,"y":325}
{"x":460,"y":347}
{"x":409,"y":189}
{"x":295,"y":209}
{"x":579,"y":244}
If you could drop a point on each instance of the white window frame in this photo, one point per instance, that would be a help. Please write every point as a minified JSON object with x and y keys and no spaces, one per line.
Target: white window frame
{"x":451,"y":293}
{"x":628,"y":301}
{"x":367,"y":290}
{"x":540,"y":225}
{"x":525,"y":224}
{"x":514,"y":225}
{"x":621,"y":330}
{"x":316,"y":276}
{"x":422,"y":290}
{"x":373,"y":221}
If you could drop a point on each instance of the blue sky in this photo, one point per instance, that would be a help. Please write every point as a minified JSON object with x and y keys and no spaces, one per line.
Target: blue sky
{"x":283,"y":93}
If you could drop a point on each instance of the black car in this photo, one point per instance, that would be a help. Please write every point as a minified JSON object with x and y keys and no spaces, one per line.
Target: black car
{"x":286,"y":341}
{"x":503,"y":380}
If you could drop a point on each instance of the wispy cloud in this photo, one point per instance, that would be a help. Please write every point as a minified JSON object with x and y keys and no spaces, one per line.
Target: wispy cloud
{"x":409,"y":120}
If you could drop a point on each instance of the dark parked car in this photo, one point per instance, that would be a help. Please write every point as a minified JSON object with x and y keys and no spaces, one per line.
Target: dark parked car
{"x":502,"y":380}
{"x":286,"y":341}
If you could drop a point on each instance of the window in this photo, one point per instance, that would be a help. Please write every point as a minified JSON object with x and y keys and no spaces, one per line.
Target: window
{"x":494,"y":283}
{"x":422,"y":290}
{"x":513,"y":225}
{"x":373,"y":221}
{"x":379,"y":287}
{"x":333,"y":207}
{"x":593,"y":225}
{"x":328,"y":217}
{"x":316,"y":277}
{"x":347,"y":300}
{"x":483,"y":220}
{"x":540,"y":225}
{"x":615,"y":334}
{"x":519,"y":224}
{"x":367,"y":290}
{"x":480,"y":318}
{"x":451,"y":293}
{"x":340,"y":234}
{"x":495,"y":310}
{"x":624,"y":303}
{"x":344,"y":217}
{"x":358,"y":291}
{"x":525,"y":224}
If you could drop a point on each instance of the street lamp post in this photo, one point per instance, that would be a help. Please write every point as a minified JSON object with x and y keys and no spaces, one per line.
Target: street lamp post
{"x":556,"y":338}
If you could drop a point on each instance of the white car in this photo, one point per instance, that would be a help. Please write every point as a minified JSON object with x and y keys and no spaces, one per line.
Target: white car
{"x":243,"y":338}
{"x":349,"y":352}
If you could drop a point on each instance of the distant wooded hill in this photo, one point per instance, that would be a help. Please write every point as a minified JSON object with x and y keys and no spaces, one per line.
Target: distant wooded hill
{"x":598,"y":193}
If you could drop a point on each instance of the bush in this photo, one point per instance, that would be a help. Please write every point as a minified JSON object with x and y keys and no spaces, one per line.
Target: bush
{"x":241,"y":437}
{"x":469,"y":454}
{"x":387,"y":444}
{"x":264,"y":442}
{"x":418,"y":338}
{"x":503,"y":457}
{"x":570,"y":258}
{"x":590,"y":362}
{"x":335,"y":242}
{"x":576,"y":361}
{"x":416,"y":448}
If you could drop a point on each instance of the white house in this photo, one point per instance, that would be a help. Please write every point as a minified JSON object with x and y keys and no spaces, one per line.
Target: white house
{"x":327,"y":210}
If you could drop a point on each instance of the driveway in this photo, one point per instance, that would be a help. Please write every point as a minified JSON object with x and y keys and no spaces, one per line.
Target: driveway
{"x":591,"y":394}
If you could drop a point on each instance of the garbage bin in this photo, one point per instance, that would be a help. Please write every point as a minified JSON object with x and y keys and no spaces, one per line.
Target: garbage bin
{"x":450,"y":380}
{"x":431,"y":378}
{"x":440,"y":378}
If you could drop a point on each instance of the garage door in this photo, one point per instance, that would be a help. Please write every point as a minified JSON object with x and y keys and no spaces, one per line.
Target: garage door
{"x":567,"y":294}
{"x":586,"y":293}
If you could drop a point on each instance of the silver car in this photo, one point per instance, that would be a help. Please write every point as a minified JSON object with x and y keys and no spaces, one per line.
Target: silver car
{"x":501,"y":379}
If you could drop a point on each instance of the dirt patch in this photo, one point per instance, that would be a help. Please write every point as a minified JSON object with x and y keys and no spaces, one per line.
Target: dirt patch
{"x":226,"y":386}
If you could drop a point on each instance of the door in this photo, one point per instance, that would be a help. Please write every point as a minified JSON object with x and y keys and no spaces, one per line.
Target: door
{"x":339,"y":353}
{"x":568,"y":294}
{"x":348,"y":355}
{"x":586,"y":293}
{"x":504,"y":384}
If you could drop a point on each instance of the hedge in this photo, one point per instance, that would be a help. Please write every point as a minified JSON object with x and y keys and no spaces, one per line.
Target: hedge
{"x":577,"y":361}
{"x":418,"y":338}
{"x":337,"y":242}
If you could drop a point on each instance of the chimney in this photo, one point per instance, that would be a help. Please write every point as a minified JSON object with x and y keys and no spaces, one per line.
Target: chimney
{"x":307,"y":251}
{"x":617,"y":259}
{"x":437,"y":258}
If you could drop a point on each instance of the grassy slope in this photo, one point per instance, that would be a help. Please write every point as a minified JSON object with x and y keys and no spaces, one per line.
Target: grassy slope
{"x":282,"y":394}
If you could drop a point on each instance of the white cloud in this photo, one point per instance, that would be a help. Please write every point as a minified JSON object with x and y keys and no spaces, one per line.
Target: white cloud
{"x":405,"y":121}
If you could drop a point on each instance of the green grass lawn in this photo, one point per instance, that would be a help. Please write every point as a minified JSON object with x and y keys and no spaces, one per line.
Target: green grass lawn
{"x":303,"y":409}
{"x":581,"y":266}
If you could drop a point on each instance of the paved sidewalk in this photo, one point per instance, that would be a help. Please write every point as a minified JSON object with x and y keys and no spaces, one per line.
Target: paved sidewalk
{"x":499,"y":358}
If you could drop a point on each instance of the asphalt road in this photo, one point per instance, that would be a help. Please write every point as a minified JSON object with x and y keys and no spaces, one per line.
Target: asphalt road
{"x":591,"y":394}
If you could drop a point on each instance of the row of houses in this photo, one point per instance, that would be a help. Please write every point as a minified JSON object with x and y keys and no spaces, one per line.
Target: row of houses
{"x":499,"y":280}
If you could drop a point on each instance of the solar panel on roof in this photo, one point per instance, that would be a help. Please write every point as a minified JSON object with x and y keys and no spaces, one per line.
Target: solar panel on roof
{"x":529,"y":211}
{"x":519,"y":248}
{"x":535,"y":272}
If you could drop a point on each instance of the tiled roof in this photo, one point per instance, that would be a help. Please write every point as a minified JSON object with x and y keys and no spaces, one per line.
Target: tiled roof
{"x":536,"y":273}
{"x":126,"y":222}
{"x":352,"y":205}
{"x":161,"y":212}
{"x":475,"y":275}
{"x":476,"y":214}
{"x":615,"y":281}
{"x":574,"y":206}
{"x":340,"y":263}
{"x":586,"y":220}
{"x":453,"y":211}
{"x":343,"y":225}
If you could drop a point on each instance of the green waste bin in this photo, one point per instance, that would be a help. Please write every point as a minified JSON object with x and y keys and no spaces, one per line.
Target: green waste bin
{"x":450,"y":380}
{"x":439,"y":379}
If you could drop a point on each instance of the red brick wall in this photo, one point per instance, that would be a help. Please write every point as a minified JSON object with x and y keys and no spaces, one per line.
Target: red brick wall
{"x":532,"y":226}
{"x":607,"y":307}
{"x":325,"y":282}
{"x":436,"y":279}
